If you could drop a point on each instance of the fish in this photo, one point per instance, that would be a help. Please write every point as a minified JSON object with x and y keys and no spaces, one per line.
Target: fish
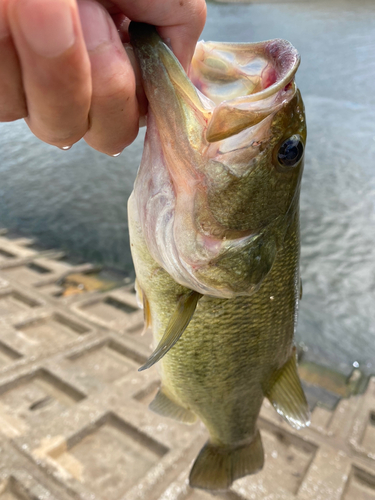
{"x":215,"y":241}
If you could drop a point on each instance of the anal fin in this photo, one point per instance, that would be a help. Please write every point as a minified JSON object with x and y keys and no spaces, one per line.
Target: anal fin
{"x":286,"y":395}
{"x":216,"y":467}
{"x":163,"y":405}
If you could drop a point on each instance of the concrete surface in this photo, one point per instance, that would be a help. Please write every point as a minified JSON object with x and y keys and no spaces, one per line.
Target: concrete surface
{"x":74,"y":422}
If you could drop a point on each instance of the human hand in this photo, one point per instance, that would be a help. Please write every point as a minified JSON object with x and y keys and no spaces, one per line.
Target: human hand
{"x":64,"y":69}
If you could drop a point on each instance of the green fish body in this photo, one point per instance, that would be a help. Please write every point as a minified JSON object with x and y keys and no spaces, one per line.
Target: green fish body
{"x":214,"y":228}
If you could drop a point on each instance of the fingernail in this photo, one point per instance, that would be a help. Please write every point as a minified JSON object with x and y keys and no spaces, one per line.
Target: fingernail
{"x":4,"y":28}
{"x":47,"y":26}
{"x":94,"y":22}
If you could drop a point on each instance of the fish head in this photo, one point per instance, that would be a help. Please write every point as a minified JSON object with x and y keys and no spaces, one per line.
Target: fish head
{"x":219,"y":181}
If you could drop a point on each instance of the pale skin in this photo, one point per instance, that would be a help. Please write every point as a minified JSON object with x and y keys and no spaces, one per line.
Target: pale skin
{"x":64,"y":70}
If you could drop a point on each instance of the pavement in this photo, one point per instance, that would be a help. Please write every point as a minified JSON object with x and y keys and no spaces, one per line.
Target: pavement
{"x":74,"y":418}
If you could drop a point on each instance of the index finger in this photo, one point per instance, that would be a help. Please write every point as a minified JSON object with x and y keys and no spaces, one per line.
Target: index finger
{"x":180,"y":21}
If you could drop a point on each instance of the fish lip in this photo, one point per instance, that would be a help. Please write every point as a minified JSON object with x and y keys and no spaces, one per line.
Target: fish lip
{"x":230,"y":118}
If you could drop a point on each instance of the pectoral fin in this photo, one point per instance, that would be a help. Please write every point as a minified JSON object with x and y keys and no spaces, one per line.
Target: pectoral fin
{"x":163,"y":405}
{"x":177,"y":325}
{"x":287,"y":397}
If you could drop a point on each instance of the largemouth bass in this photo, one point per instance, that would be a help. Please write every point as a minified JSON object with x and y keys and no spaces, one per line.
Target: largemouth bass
{"x":214,"y":227}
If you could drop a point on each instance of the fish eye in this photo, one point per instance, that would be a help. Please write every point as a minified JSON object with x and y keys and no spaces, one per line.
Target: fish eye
{"x":290,"y":152}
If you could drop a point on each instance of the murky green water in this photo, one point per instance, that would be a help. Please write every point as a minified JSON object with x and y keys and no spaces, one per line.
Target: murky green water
{"x":76,"y":200}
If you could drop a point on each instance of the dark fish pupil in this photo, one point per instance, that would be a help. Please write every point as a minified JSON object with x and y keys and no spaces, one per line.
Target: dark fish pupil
{"x":291,"y":151}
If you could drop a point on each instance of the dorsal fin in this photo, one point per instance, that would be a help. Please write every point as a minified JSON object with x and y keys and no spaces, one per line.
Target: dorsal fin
{"x":177,"y":325}
{"x":286,"y":395}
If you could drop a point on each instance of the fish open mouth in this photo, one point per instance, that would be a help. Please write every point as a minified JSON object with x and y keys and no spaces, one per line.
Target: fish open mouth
{"x":208,"y":160}
{"x":247,"y":82}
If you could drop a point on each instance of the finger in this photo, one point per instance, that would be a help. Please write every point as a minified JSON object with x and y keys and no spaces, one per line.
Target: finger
{"x":12,"y":99}
{"x":122,"y":24}
{"x":55,"y":68}
{"x":185,"y":33}
{"x":114,"y":110}
{"x":181,"y":21}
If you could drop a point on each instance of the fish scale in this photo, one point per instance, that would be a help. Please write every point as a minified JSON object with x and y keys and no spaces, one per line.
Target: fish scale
{"x":248,"y":328}
{"x":216,"y":252}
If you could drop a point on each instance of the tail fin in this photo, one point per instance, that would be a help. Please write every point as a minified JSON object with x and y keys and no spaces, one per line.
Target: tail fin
{"x":216,"y":467}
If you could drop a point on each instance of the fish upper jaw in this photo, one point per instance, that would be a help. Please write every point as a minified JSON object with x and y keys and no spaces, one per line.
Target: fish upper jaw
{"x":193,"y":146}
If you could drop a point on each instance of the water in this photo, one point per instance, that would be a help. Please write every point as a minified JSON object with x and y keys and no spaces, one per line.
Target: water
{"x":76,"y":199}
